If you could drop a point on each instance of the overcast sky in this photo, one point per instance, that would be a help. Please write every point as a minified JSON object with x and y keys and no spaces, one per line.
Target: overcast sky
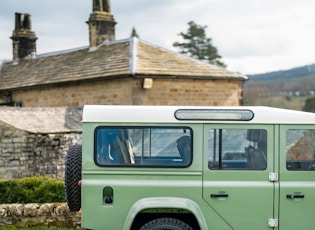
{"x":252,"y":36}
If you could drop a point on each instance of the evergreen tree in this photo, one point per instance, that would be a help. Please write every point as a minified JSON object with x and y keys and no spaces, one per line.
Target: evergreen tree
{"x":134,"y":33}
{"x":198,"y":46}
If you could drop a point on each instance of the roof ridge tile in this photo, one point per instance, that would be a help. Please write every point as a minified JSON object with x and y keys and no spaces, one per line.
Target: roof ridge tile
{"x":133,"y":64}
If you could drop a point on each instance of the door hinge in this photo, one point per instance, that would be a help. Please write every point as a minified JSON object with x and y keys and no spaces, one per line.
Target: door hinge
{"x":272,"y":223}
{"x":273,"y":177}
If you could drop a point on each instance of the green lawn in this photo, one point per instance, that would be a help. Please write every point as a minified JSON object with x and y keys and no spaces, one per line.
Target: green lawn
{"x":33,"y":228}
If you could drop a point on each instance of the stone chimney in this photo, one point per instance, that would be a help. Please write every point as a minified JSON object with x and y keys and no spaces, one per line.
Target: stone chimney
{"x":24,"y":39}
{"x":101,"y":23}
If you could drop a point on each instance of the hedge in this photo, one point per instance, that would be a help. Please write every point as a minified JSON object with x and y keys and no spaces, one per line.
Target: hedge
{"x":32,"y":190}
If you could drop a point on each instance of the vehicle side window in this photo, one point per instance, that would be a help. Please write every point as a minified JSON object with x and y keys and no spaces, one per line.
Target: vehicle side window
{"x":143,"y":146}
{"x":237,"y":149}
{"x":300,"y":149}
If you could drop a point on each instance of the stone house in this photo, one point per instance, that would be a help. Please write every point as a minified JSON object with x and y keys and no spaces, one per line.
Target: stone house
{"x":52,"y":88}
{"x":109,"y":71}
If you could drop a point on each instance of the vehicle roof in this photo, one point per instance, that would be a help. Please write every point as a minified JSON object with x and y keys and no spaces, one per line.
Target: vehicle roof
{"x":166,"y":114}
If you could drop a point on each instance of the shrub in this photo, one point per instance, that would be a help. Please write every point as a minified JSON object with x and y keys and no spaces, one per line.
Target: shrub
{"x":309,"y":105}
{"x":31,"y":190}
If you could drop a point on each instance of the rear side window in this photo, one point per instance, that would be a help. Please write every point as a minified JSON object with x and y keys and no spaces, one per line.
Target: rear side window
{"x":300,"y":149}
{"x":143,"y":146}
{"x":237,"y":149}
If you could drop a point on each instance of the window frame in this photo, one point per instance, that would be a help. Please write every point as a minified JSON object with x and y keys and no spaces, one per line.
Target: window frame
{"x":186,"y":165}
{"x":218,"y":141}
{"x":302,"y":165}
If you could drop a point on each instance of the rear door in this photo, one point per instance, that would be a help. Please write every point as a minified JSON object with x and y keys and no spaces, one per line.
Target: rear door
{"x":239,"y":183}
{"x":297,"y":174}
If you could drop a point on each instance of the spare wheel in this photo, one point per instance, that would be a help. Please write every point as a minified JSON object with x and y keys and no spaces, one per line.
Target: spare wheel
{"x":73,"y":166}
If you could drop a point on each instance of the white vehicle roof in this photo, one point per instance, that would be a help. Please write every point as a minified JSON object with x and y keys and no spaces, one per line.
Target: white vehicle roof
{"x":166,"y":114}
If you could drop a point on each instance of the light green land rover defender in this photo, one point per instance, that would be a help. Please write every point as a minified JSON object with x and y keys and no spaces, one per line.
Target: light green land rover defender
{"x":183,"y":168}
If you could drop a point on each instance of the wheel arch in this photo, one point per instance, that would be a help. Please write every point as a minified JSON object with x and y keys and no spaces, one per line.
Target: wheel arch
{"x":165,"y":203}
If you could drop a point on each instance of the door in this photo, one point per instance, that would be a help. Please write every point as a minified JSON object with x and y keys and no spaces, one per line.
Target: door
{"x":297,"y":173}
{"x":239,"y":183}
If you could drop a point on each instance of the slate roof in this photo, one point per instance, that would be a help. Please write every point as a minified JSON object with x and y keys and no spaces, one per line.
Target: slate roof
{"x":120,"y":58}
{"x":43,"y":120}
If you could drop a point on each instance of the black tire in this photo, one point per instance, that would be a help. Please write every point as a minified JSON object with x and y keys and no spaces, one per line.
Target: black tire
{"x":166,"y":224}
{"x":73,"y":166}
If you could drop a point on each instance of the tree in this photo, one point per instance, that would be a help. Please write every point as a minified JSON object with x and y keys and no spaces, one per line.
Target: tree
{"x":309,"y":105}
{"x":198,"y":46}
{"x":134,"y":33}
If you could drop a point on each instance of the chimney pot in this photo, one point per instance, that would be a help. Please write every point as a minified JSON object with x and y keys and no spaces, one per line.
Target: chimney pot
{"x":101,"y":23}
{"x":23,"y":38}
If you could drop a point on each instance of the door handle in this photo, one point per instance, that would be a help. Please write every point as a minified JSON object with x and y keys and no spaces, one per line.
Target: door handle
{"x":223,"y":195}
{"x":295,"y":196}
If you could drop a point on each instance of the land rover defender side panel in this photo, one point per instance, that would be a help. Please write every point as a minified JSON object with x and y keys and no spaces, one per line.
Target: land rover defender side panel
{"x":236,"y":186}
{"x":128,"y":183}
{"x":297,"y":172}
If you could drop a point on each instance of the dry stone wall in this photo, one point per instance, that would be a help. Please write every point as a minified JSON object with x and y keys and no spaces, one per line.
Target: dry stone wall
{"x":24,"y":154}
{"x":30,"y":215}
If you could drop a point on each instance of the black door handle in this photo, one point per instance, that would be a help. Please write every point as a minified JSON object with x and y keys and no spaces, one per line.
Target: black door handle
{"x":294,"y":196}
{"x":223,"y":195}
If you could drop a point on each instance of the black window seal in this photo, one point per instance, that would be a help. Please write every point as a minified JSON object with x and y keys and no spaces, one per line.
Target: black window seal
{"x":139,"y":165}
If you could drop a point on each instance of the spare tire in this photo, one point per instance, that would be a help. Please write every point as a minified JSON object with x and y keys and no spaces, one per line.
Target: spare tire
{"x":73,"y":166}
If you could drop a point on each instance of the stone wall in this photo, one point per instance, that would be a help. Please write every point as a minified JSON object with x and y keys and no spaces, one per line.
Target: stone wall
{"x":24,"y":154}
{"x":31,"y":215}
{"x":129,"y":91}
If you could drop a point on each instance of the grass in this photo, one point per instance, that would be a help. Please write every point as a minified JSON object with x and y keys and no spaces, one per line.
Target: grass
{"x":285,"y":102}
{"x":33,"y":228}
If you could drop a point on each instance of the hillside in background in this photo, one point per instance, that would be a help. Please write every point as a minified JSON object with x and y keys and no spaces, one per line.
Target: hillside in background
{"x":284,"y":89}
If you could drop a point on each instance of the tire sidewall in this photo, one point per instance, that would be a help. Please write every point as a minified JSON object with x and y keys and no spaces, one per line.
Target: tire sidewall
{"x":166,"y":223}
{"x":73,"y":166}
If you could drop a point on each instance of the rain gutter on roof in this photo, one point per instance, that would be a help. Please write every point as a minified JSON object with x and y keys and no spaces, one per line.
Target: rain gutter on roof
{"x":196,"y":77}
{"x":133,"y":61}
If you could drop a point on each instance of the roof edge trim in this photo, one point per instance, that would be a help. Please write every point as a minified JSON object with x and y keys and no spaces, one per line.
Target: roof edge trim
{"x":195,"y":77}
{"x":133,"y":61}
{"x":61,"y":52}
{"x":106,"y":43}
